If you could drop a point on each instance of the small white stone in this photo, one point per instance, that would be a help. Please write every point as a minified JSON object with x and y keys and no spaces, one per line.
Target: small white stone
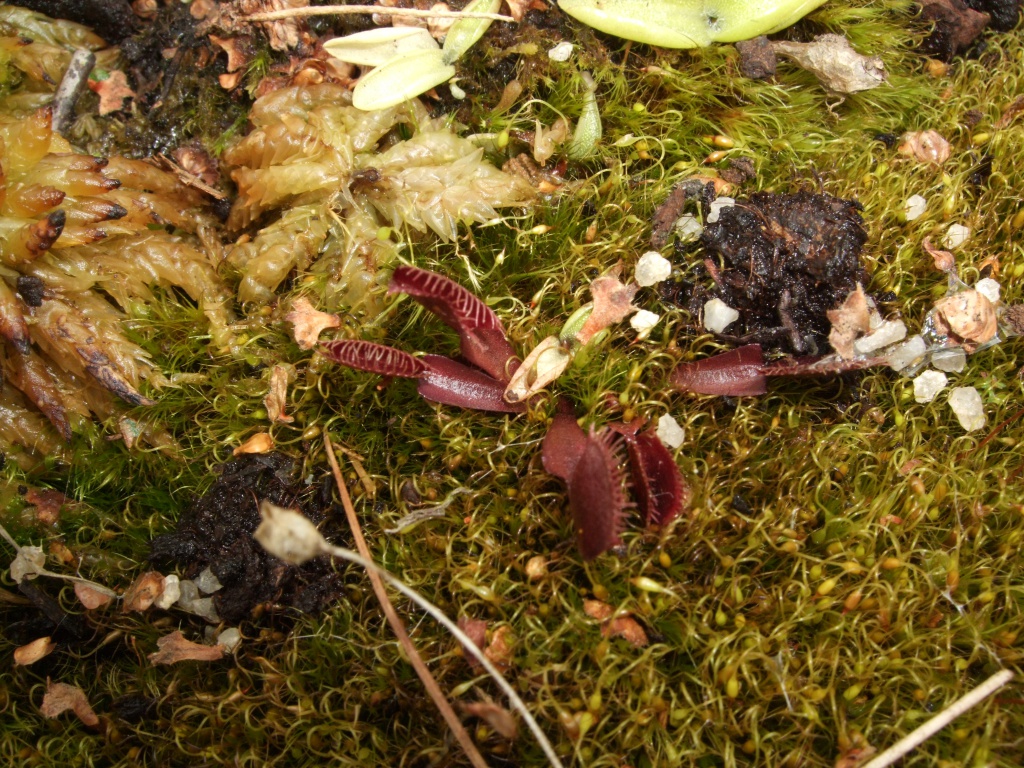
{"x":229,"y":638}
{"x":966,"y":404}
{"x":561,"y":52}
{"x":457,"y":92}
{"x":716,"y":207}
{"x":171,"y":593}
{"x":643,"y":321}
{"x":989,"y":288}
{"x":889,"y":332}
{"x":651,"y":269}
{"x":906,"y":354}
{"x":950,"y":360}
{"x":915,"y":207}
{"x":956,"y":236}
{"x":718,"y":315}
{"x":207,"y":582}
{"x":187,"y":591}
{"x":688,"y":228}
{"x":927,"y":385}
{"x":669,"y":431}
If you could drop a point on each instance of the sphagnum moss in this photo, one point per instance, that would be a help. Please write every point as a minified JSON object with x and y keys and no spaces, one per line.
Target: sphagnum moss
{"x":851,"y":562}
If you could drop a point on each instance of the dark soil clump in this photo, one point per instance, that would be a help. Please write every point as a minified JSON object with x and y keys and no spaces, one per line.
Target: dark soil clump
{"x":783,"y":261}
{"x":216,"y":532}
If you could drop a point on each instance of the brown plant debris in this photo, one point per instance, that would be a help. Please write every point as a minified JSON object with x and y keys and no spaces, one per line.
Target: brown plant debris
{"x":48,"y":504}
{"x":277,"y":398}
{"x":783,"y":261}
{"x":500,"y":719}
{"x":849,"y":321}
{"x":113,"y":91}
{"x":835,"y":63}
{"x":143,"y":592}
{"x":955,"y":27}
{"x":60,"y":697}
{"x":90,"y":597}
{"x":925,"y":147}
{"x":216,"y":533}
{"x":33,"y":652}
{"x":308,"y":323}
{"x":616,"y":625}
{"x":174,"y":648}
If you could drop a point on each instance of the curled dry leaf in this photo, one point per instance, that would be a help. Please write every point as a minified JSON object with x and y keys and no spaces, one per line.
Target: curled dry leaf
{"x":277,"y":397}
{"x":60,"y":697}
{"x":835,"y":63}
{"x":944,"y":260}
{"x":968,"y":315}
{"x":174,"y":648}
{"x":33,"y":652}
{"x":925,"y":147}
{"x":28,"y":563}
{"x":261,"y":442}
{"x":495,"y":715}
{"x":308,"y":323}
{"x":91,"y":596}
{"x":849,"y":321}
{"x":143,"y":592}
{"x":542,"y":366}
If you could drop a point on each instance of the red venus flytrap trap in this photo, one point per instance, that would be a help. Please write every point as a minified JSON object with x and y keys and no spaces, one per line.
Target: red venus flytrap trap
{"x":591,"y":463}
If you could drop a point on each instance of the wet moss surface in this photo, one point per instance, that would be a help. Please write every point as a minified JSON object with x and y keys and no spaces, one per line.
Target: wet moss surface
{"x":850,"y":563}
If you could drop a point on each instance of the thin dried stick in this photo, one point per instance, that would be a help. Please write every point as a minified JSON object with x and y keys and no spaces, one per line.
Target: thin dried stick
{"x":440,"y":701}
{"x":351,"y":10}
{"x":921,"y":734}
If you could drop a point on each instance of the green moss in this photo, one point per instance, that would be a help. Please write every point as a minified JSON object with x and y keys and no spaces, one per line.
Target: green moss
{"x":850,"y":565}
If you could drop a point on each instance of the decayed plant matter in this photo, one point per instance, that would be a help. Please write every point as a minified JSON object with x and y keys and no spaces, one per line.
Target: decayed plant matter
{"x":340,"y":174}
{"x":83,"y":243}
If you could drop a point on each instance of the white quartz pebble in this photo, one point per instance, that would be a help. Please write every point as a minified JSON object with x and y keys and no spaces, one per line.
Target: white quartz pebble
{"x":889,"y":332}
{"x":989,"y":288}
{"x":966,"y":404}
{"x":718,"y":315}
{"x":915,"y":207}
{"x":643,"y":321}
{"x":207,"y":582}
{"x":951,"y":360}
{"x":652,"y":268}
{"x":669,"y":432}
{"x":716,"y":208}
{"x":171,"y":593}
{"x":906,"y":354}
{"x":927,"y":385}
{"x":956,"y":236}
{"x":561,"y":52}
{"x":229,"y":638}
{"x":687,"y":227}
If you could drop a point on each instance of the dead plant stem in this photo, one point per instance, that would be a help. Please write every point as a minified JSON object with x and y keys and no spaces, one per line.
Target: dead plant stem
{"x":440,"y":700}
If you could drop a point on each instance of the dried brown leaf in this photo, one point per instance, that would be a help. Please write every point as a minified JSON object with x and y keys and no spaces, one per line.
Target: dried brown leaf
{"x":925,"y":147}
{"x":60,"y":697}
{"x":33,"y":652}
{"x":850,"y":320}
{"x":543,"y":365}
{"x":499,"y":651}
{"x":48,"y":504}
{"x":596,"y":609}
{"x":625,"y":627}
{"x":476,"y":629}
{"x":238,"y":49}
{"x":612,"y":303}
{"x":309,"y":323}
{"x":277,"y":397}
{"x":174,"y":648}
{"x":944,"y":260}
{"x":261,"y":442}
{"x":495,"y":715}
{"x":967,"y":314}
{"x":143,"y":592}
{"x":113,"y":91}
{"x":91,"y":597}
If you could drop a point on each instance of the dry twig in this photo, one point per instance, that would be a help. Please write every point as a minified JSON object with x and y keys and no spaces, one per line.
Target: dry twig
{"x":396,"y":623}
{"x":921,"y":734}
